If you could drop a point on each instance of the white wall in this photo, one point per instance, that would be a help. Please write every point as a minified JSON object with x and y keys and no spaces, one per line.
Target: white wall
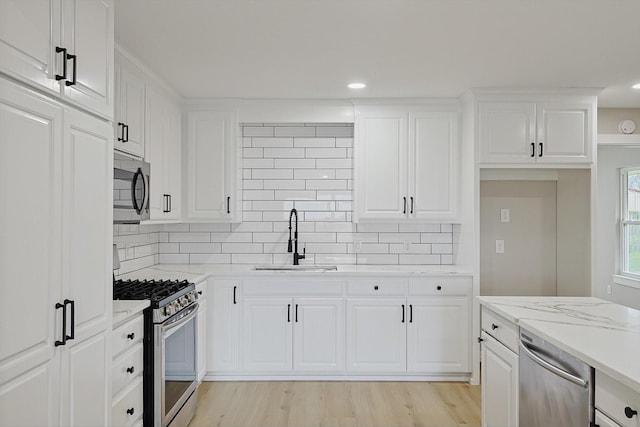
{"x":610,"y":159}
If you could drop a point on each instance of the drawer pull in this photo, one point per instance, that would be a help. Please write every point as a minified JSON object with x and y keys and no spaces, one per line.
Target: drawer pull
{"x":439,"y":287}
{"x":131,"y":336}
{"x":375,"y":288}
{"x":130,"y":370}
{"x":494,"y":326}
{"x":630,"y":412}
{"x":130,"y":411}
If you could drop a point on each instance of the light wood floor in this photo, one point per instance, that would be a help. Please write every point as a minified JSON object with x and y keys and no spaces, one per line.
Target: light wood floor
{"x":337,"y":404}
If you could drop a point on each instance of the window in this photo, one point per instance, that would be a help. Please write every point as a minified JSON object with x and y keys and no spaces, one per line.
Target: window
{"x":630,"y":222}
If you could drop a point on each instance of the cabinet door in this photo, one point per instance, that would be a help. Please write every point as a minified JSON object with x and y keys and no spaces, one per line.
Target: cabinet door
{"x":433,"y":165}
{"x":376,"y":335}
{"x":88,"y":34}
{"x":173,"y":162}
{"x":438,"y":335}
{"x":499,"y":371}
{"x":565,"y":132}
{"x":29,"y":34}
{"x":86,"y":382}
{"x":30,"y":188}
{"x":87,"y":214}
{"x":318,"y":334}
{"x":380,"y":190}
{"x":267,"y":334}
{"x":130,"y":109}
{"x":155,"y":154}
{"x":507,"y":132}
{"x":211,"y":166}
{"x":201,"y":360}
{"x":223,"y":334}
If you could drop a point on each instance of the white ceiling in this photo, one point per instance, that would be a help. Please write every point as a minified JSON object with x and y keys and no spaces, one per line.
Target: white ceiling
{"x":400,"y":48}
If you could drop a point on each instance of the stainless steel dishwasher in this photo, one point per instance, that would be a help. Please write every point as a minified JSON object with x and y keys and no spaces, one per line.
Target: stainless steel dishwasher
{"x":556,"y":389}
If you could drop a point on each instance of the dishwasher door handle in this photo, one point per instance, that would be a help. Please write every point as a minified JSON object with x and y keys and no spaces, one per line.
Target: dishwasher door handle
{"x":553,"y":369}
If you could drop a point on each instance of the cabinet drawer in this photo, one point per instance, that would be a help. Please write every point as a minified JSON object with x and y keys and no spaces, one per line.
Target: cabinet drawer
{"x":292,"y":287}
{"x":500,"y":328}
{"x":603,"y":421}
{"x":127,"y":335}
{"x":440,"y":286}
{"x":612,"y":398}
{"x":377,"y":287}
{"x":132,"y":402}
{"x":126,"y":367}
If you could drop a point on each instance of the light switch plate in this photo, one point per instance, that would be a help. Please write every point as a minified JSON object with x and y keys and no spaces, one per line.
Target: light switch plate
{"x":505,"y":215}
{"x":499,"y":246}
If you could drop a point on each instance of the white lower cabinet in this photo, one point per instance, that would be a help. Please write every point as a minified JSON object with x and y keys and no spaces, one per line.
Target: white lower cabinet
{"x":499,"y":372}
{"x":376,"y":335}
{"x":300,"y":334}
{"x":617,"y":404}
{"x":127,"y":371}
{"x":223,"y":329}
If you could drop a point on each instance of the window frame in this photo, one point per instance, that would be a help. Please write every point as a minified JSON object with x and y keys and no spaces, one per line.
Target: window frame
{"x":624,"y":221}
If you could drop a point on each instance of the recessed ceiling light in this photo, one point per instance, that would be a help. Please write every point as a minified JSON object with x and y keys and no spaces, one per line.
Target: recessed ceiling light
{"x":356,"y":85}
{"x":636,"y":86}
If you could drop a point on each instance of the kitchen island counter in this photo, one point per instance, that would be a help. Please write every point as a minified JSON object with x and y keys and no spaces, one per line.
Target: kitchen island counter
{"x":603,"y":334}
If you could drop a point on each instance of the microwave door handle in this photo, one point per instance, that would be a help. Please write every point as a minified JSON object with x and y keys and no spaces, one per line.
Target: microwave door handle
{"x":145,"y":198}
{"x":134,"y":181}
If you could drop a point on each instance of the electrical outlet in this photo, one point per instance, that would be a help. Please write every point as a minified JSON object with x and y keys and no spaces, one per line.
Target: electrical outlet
{"x":505,"y":215}
{"x":357,"y":245}
{"x":499,"y":246}
{"x":608,"y":289}
{"x":406,"y":246}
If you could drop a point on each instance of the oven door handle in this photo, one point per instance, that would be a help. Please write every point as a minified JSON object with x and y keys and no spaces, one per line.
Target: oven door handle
{"x":551,"y":368}
{"x":192,"y":312}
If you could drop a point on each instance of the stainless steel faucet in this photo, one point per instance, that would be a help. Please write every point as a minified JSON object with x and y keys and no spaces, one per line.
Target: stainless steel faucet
{"x":296,"y":256}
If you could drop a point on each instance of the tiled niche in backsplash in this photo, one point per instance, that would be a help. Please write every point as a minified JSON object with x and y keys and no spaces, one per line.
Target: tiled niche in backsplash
{"x":308,"y":167}
{"x":304,"y":166}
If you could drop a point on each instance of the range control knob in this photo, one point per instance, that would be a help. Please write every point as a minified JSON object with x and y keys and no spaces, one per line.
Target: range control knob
{"x":184,"y":301}
{"x":168,"y":310}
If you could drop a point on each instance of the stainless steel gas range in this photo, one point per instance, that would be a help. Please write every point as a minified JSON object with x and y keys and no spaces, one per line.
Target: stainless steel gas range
{"x":170,"y":348}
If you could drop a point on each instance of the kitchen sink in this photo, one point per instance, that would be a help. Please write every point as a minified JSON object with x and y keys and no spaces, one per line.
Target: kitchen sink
{"x":312,"y":268}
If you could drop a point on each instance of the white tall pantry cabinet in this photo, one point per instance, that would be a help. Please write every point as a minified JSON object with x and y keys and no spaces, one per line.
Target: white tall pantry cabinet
{"x":56,"y":165}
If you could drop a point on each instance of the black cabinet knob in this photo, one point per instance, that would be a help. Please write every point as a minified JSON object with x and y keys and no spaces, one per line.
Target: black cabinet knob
{"x":494,"y":326}
{"x":130,"y":370}
{"x":375,"y":288}
{"x":630,"y":412}
{"x":131,"y":336}
{"x":130,"y":411}
{"x":439,"y":287}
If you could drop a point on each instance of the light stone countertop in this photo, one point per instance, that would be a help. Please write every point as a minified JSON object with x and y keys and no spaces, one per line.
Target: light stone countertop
{"x":603,"y":334}
{"x":123,"y":309}
{"x":198,"y":272}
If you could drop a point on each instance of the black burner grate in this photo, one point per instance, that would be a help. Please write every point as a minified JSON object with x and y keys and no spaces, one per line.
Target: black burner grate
{"x":153,"y":290}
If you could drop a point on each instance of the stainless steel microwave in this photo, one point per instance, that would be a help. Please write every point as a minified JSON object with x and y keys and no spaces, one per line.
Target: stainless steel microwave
{"x":130,"y":190}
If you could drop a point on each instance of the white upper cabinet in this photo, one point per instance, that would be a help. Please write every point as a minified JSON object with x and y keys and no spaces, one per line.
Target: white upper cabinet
{"x":163,"y":152}
{"x":406,"y":163}
{"x":211,"y":167}
{"x":130,"y":108}
{"x":62,"y":46}
{"x":557,"y":131}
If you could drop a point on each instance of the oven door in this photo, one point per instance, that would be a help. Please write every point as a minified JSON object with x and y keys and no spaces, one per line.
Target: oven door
{"x":175,"y":368}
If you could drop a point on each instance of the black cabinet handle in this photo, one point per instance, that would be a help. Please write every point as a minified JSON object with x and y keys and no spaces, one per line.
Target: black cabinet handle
{"x":131,"y":336}
{"x":439,"y":287}
{"x":540,"y":155}
{"x":126,"y":138}
{"x":64,"y":324}
{"x":629,"y":413}
{"x":130,"y":370}
{"x":404,"y":202}
{"x":288,"y":313}
{"x":402,"y":313}
{"x":533,"y":149}
{"x":121,"y":137}
{"x":199,"y":292}
{"x":296,"y":313}
{"x":75,"y":70}
{"x":166,"y":209}
{"x":228,"y":204}
{"x":73,"y":319}
{"x":64,"y":63}
{"x":234,"y":294}
{"x":170,"y":203}
{"x":410,"y":313}
{"x":494,"y":326}
{"x":411,"y":212}
{"x":130,"y":411}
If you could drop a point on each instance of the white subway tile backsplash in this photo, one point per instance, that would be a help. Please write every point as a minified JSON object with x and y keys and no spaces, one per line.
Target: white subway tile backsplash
{"x":303,"y":165}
